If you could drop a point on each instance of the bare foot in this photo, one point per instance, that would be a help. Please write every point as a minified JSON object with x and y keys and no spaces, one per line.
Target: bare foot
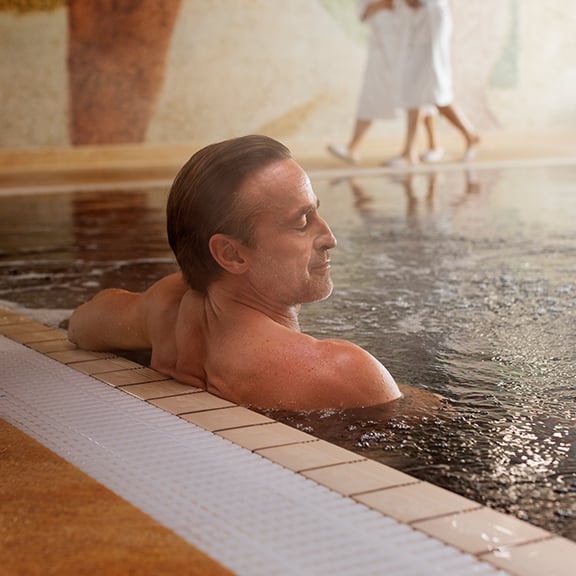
{"x":472,"y":143}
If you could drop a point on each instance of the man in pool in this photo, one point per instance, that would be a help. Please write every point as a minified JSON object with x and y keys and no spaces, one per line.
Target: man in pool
{"x":244,"y":225}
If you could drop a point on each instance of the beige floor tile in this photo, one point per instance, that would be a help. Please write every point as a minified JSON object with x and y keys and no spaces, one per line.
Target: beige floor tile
{"x":481,"y":530}
{"x":161,"y":389}
{"x":555,"y":556}
{"x":132,"y":376}
{"x":28,"y":337}
{"x":193,"y":402}
{"x":358,"y":477}
{"x":416,"y":502}
{"x":93,"y":367}
{"x":78,"y":355}
{"x":9,"y":317}
{"x":316,"y":454}
{"x":266,"y":436}
{"x":21,"y":327}
{"x":227,"y":418}
{"x":52,"y":346}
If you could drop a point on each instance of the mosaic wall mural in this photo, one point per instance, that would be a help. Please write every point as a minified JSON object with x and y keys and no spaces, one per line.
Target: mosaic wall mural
{"x":116,"y":63}
{"x":94,"y":72}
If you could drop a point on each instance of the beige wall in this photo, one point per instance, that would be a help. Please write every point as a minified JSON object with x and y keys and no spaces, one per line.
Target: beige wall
{"x":292,"y":69}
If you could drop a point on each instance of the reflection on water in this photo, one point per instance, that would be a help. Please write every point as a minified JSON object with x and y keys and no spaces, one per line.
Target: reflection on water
{"x":462,"y":283}
{"x":57,"y":250}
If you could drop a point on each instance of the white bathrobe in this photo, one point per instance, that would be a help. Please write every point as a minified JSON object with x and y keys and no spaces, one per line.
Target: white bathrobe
{"x":380,"y":93}
{"x":427,"y":71}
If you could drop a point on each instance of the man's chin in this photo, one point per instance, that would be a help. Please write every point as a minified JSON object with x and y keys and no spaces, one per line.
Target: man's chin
{"x":321,"y":293}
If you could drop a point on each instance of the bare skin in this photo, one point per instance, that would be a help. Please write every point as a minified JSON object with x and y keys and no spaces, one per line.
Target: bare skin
{"x":242,"y":340}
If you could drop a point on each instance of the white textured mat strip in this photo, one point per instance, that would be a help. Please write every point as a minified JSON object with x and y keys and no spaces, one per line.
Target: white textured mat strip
{"x":249,"y":514}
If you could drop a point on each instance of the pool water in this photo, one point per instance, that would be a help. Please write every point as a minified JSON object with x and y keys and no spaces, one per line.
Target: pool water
{"x":462,"y":283}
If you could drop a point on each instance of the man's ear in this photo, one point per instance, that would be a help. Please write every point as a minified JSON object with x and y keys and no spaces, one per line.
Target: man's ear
{"x":225,"y":250}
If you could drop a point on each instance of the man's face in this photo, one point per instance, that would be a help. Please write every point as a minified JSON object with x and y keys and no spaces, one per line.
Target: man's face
{"x":289,"y":262}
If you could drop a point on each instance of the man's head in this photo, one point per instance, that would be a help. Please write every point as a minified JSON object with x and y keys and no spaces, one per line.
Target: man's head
{"x":288,"y":262}
{"x":204,"y":201}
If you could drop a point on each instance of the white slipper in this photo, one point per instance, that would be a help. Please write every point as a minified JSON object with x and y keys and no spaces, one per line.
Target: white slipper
{"x":432,"y":156}
{"x":397,"y":161}
{"x":341,"y":153}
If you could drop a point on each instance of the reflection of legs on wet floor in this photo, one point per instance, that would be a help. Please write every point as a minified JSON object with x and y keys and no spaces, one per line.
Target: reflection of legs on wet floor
{"x":411,"y":200}
{"x":432,"y":188}
{"x":473,"y":185}
{"x":420,"y":192}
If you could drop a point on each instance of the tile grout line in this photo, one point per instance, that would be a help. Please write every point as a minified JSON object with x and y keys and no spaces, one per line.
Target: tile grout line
{"x":21,"y":321}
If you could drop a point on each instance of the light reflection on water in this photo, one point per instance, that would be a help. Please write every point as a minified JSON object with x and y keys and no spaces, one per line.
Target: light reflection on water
{"x":465,"y":287}
{"x":462,"y":284}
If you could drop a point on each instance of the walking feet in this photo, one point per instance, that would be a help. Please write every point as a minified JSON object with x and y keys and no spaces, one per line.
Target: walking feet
{"x":342,"y":153}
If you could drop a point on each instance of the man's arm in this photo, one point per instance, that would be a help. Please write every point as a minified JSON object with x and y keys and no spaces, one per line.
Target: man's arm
{"x":113,"y":320}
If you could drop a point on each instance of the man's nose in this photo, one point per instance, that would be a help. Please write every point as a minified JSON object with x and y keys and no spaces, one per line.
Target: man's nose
{"x":326,"y":238}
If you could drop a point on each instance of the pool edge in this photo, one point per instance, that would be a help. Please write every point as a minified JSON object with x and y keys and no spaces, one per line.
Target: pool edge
{"x":462,"y":523}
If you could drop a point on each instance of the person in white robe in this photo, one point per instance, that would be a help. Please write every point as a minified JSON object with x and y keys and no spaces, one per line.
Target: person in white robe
{"x":427,"y":75}
{"x":408,"y":68}
{"x":382,"y":83}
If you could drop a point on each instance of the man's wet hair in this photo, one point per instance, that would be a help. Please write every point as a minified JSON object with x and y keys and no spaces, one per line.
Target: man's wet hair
{"x":204,"y":201}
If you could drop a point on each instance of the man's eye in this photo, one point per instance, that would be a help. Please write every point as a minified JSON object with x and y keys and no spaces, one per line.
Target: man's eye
{"x":303,"y":226}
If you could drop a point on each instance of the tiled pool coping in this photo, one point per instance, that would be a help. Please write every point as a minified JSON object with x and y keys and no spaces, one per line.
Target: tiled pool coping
{"x":500,"y":540}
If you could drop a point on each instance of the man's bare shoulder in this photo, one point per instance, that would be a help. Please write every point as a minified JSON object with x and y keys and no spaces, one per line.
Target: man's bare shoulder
{"x":168,"y":288}
{"x":295,"y":370}
{"x":162,"y":302}
{"x":360,"y":378}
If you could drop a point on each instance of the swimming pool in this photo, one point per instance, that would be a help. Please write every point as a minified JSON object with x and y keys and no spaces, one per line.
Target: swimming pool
{"x":462,"y":283}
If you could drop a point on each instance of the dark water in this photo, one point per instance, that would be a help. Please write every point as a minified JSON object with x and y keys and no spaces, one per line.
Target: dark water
{"x":463,"y":284}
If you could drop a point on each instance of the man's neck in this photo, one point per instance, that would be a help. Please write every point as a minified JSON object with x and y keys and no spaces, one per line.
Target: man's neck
{"x":225,"y":299}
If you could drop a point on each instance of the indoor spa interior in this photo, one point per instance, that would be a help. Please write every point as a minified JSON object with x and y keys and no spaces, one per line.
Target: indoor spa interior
{"x":452,"y":262}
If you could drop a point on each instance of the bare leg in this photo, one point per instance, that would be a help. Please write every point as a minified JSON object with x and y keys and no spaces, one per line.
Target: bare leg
{"x":434,"y":152}
{"x":430,"y":125}
{"x":360,"y":129}
{"x":412,"y":120}
{"x":463,"y":125}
